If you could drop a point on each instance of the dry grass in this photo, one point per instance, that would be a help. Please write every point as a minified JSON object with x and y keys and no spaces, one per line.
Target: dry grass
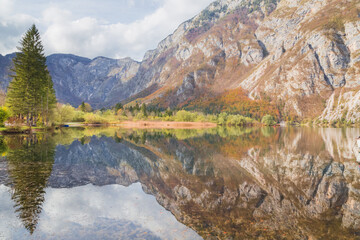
{"x":284,"y":12}
{"x":333,"y":16}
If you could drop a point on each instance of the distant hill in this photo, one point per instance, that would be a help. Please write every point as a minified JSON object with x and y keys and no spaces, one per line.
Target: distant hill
{"x":78,"y":79}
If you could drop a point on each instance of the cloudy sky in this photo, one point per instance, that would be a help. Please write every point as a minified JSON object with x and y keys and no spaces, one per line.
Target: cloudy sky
{"x":91,"y":28}
{"x":81,"y":211}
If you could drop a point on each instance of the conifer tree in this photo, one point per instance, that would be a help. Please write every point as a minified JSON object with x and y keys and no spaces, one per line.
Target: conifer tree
{"x":144,"y":109}
{"x":31,"y":94}
{"x":82,"y":107}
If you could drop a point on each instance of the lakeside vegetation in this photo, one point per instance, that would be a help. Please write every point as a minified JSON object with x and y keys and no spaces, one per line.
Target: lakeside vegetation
{"x":66,"y":113}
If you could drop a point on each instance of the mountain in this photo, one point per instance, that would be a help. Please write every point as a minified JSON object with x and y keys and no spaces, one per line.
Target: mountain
{"x":5,"y":66}
{"x":78,"y":79}
{"x":300,"y":57}
{"x":101,"y":81}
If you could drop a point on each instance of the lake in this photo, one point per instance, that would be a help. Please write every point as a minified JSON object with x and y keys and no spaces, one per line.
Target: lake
{"x":221,"y":183}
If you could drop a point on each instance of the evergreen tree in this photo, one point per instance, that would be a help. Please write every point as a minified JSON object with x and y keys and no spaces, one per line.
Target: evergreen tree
{"x":82,"y":107}
{"x":85,"y":107}
{"x":49,"y":100}
{"x":118,"y":106}
{"x":144,"y":109}
{"x":137,"y":107}
{"x":31,"y":94}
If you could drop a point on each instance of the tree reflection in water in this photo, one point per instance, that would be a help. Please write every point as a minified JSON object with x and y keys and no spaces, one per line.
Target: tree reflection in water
{"x":30,"y":160}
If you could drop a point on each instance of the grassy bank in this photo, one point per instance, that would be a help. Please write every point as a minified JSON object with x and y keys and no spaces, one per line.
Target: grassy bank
{"x":166,"y":125}
{"x":23,"y":130}
{"x":66,"y":114}
{"x":135,"y":117}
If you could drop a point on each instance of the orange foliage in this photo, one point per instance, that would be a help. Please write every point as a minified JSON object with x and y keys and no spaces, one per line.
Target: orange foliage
{"x":236,"y":102}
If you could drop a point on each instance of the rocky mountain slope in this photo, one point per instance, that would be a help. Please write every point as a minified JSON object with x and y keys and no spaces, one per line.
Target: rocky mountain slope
{"x":101,"y":81}
{"x":301,"y":56}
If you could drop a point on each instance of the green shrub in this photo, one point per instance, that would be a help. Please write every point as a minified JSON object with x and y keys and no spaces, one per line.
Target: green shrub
{"x":167,"y":118}
{"x":211,"y":118}
{"x":238,"y":120}
{"x":200,"y":118}
{"x":64,"y":113}
{"x":268,"y":120}
{"x":140,"y":116}
{"x":222,"y":118}
{"x":92,"y":118}
{"x":4,"y":115}
{"x":79,"y":116}
{"x":185,"y":116}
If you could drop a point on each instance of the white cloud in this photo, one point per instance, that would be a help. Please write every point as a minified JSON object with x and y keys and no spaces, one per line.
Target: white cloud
{"x":6,"y":6}
{"x":90,"y":36}
{"x":12,"y":26}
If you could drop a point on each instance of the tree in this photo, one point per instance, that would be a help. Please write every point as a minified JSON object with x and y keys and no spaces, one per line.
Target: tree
{"x":144,"y":110}
{"x":131,"y":109}
{"x":48,"y":100}
{"x":137,"y":107}
{"x":82,"y":106}
{"x":118,"y":106}
{"x":168,"y":112}
{"x":4,"y":115}
{"x":2,"y":98}
{"x":268,"y":120}
{"x":31,"y":94}
{"x":85,"y":107}
{"x":64,"y":113}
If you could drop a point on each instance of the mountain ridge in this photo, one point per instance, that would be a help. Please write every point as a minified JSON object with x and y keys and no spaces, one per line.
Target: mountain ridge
{"x":300,"y":56}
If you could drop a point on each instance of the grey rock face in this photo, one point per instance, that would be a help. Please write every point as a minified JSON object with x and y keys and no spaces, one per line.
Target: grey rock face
{"x":5,"y":70}
{"x":94,"y":81}
{"x":100,"y":82}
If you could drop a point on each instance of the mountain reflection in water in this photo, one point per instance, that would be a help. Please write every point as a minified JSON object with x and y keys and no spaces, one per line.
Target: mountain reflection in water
{"x":222,"y":183}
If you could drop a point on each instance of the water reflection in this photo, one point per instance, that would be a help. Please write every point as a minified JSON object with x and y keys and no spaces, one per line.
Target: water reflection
{"x":225,"y":183}
{"x":30,"y":160}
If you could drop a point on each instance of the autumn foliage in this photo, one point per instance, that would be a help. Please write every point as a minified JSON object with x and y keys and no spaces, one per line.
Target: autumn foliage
{"x":236,"y":102}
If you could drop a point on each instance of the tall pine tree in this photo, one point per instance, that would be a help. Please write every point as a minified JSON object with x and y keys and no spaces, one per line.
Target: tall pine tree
{"x":31,"y":94}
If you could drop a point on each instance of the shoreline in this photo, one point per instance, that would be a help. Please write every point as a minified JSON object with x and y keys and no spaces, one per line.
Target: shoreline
{"x":124,"y":125}
{"x":165,"y":125}
{"x":141,"y":124}
{"x":149,"y":125}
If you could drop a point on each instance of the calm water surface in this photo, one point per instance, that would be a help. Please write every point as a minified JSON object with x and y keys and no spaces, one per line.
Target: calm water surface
{"x":223,"y":183}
